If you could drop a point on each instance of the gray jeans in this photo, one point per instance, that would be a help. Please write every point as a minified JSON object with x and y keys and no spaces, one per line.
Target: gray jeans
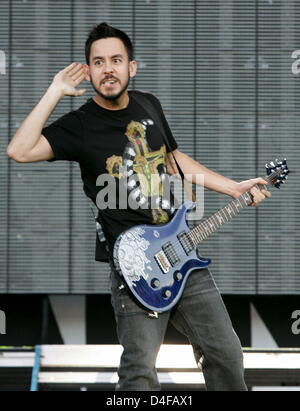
{"x":200,"y":315}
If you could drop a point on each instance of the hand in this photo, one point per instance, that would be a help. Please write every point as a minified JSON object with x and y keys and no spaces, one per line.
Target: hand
{"x":249,"y":185}
{"x":68,"y":79}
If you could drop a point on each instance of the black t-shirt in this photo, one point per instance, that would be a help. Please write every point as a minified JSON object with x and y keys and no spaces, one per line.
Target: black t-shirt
{"x":114,"y":145}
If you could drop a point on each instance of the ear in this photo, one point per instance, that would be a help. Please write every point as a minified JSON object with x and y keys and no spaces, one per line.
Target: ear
{"x":132,"y":68}
{"x":87,"y":72}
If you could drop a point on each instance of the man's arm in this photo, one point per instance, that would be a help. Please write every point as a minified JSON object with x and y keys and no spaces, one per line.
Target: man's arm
{"x":214,"y":181}
{"x":28,"y":144}
{"x":191,"y":168}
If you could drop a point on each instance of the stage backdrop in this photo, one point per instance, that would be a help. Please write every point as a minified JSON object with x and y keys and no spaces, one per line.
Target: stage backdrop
{"x":223,"y":72}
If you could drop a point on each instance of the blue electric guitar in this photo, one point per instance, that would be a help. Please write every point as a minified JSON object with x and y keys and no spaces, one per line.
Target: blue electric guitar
{"x":156,"y":260}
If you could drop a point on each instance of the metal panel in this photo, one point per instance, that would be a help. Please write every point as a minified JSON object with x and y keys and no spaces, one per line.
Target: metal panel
{"x":222,"y":70}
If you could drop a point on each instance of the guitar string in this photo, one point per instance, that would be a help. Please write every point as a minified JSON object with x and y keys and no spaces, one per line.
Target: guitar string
{"x":177,"y":245}
{"x":203,"y":230}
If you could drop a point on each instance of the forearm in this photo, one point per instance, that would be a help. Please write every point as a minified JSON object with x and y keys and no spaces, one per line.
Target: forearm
{"x":212,"y":181}
{"x":29,"y":132}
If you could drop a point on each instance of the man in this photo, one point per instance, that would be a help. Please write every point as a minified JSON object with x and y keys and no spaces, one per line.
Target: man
{"x":109,"y":131}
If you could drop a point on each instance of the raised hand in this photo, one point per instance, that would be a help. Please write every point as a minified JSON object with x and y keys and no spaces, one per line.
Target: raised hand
{"x":66,"y":80}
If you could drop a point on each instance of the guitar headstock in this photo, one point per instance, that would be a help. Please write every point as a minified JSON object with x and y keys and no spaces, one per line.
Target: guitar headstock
{"x":277,"y":172}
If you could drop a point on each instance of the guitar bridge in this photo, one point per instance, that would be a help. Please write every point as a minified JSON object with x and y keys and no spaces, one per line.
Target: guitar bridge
{"x":162,"y":261}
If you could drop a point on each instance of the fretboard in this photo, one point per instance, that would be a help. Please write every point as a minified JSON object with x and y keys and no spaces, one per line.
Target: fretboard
{"x":207,"y":227}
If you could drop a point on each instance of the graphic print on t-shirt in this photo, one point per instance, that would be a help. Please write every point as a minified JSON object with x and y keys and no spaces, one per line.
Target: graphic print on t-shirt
{"x":139,"y":159}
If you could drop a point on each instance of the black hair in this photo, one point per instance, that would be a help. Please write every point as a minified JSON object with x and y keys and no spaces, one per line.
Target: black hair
{"x":104,"y":31}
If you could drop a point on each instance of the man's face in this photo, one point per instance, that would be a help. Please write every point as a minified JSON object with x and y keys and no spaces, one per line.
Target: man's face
{"x":109,"y":68}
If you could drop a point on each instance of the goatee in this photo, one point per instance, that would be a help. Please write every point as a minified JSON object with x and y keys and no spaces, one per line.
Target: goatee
{"x":114,"y":96}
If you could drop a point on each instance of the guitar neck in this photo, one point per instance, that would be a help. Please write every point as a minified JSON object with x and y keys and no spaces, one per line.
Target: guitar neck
{"x":207,"y":227}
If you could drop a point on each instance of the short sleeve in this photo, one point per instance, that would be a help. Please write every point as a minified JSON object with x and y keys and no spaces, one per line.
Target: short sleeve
{"x":65,"y":136}
{"x":172,"y":142}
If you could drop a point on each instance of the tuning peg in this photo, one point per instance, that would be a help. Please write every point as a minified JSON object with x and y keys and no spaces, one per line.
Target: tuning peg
{"x":268,"y":169}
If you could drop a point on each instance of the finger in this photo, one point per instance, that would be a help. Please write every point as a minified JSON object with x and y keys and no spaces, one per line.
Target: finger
{"x":79,"y":74}
{"x":253,"y":191}
{"x":257,"y":198}
{"x":75,"y":69}
{"x":79,"y":80}
{"x":266,"y":193}
{"x":68,"y":68}
{"x":80,"y":92}
{"x":256,"y":202}
{"x":262,"y":194}
{"x":260,"y":180}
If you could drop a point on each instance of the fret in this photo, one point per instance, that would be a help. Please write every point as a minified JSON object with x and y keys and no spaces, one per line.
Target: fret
{"x":211,"y":224}
{"x":243,"y":197}
{"x":228,"y":210}
{"x":193,"y":237}
{"x":196,"y":236}
{"x":226,"y":213}
{"x":248,"y":197}
{"x":223,"y":211}
{"x":220,"y":218}
{"x":238,"y":199}
{"x":216,"y":220}
{"x":236,"y":204}
{"x":197,"y":240}
{"x":231,"y":210}
{"x":200,"y":233}
{"x":206,"y":227}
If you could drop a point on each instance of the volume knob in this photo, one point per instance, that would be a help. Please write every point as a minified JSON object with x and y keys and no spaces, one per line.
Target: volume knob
{"x":166,"y":294}
{"x":178,"y":276}
{"x":155,"y":283}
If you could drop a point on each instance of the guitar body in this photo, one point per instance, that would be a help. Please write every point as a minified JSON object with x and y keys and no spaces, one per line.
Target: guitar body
{"x":156,"y":260}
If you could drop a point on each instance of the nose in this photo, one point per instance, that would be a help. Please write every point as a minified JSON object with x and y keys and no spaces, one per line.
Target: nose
{"x":108,"y":68}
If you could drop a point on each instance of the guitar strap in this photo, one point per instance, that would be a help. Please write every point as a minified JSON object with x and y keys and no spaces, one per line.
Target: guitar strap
{"x":142,"y":99}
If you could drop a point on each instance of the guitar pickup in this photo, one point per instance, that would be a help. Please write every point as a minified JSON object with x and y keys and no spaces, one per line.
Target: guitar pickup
{"x":171,"y":254}
{"x":186,"y":243}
